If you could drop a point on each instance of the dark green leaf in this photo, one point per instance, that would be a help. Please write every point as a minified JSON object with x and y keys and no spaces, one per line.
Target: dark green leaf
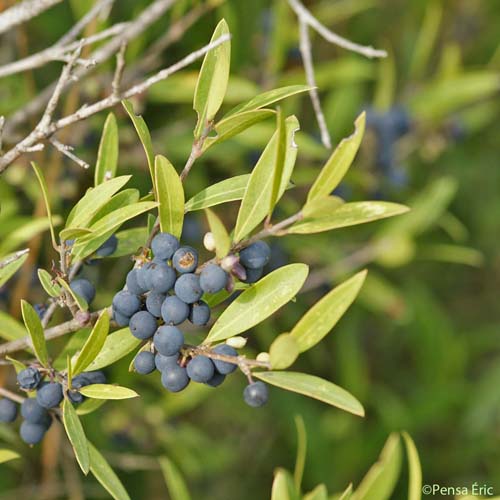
{"x":76,"y":436}
{"x":52,"y":289}
{"x":107,"y":156}
{"x":36,"y":333}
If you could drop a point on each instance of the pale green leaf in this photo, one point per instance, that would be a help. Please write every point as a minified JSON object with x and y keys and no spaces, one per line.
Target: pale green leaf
{"x":283,"y":351}
{"x":78,"y":299}
{"x":107,"y":155}
{"x":221,"y":236}
{"x":122,"y":199}
{"x":279,"y":161}
{"x":177,"y":487}
{"x":76,"y":436}
{"x":319,"y":493}
{"x":89,"y":406}
{"x":46,"y":199}
{"x":300,"y":460}
{"x":170,"y":197}
{"x":8,"y":270}
{"x":7,"y":455}
{"x":313,"y":387}
{"x":10,"y":328}
{"x":108,"y":391}
{"x":36,"y":333}
{"x":52,"y":289}
{"x":259,"y":301}
{"x":414,"y":469}
{"x":283,"y":486}
{"x":321,"y":206}
{"x":18,"y":366}
{"x":324,"y":315}
{"x":72,"y":233}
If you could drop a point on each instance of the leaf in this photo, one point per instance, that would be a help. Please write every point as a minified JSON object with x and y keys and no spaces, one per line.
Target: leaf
{"x":212,"y":80}
{"x":454,"y":254}
{"x":319,"y":493}
{"x":233,"y":125}
{"x":18,"y":366}
{"x":267,"y":98}
{"x":46,"y":199}
{"x":69,"y":368}
{"x":105,"y":474}
{"x":79,"y":300}
{"x":76,"y":436}
{"x":83,"y":212}
{"x":144,"y":136}
{"x":108,"y":391}
{"x":7,"y":455}
{"x":89,"y":406}
{"x":36,"y":333}
{"x":347,"y":494}
{"x":278,"y":161}
{"x":300,"y":460}
{"x":117,"y":345}
{"x":130,"y":240}
{"x":324,"y":315}
{"x":10,"y":328}
{"x":380,"y":480}
{"x":177,"y":488}
{"x":259,"y":301}
{"x":122,"y":199}
{"x":231,"y":189}
{"x":107,"y":155}
{"x":414,"y":469}
{"x":283,"y":351}
{"x":257,"y":199}
{"x":49,"y":286}
{"x":7,"y":271}
{"x":283,"y":487}
{"x":72,"y":233}
{"x":170,"y":197}
{"x":313,"y":387}
{"x":348,"y":214}
{"x":221,"y":236}
{"x":339,"y":162}
{"x":93,"y":345}
{"x":319,"y":207}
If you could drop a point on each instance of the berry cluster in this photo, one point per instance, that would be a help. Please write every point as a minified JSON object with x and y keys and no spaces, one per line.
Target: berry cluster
{"x":166,"y":291}
{"x":37,"y":412}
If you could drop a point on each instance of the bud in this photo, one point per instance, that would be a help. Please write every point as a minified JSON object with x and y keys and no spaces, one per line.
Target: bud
{"x":227,"y":263}
{"x":263,"y":356}
{"x":209,"y":242}
{"x":239,"y":271}
{"x":237,"y":342}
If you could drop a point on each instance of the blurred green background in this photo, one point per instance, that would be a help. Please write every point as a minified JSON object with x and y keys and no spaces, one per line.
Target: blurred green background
{"x":419,"y":348}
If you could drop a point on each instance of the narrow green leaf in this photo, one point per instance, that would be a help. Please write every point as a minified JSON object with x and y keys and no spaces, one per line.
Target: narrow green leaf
{"x":108,"y":391}
{"x":52,"y":289}
{"x":267,"y":98}
{"x":7,"y":455}
{"x":76,"y":436}
{"x":89,"y":406}
{"x":259,"y":301}
{"x":380,"y":481}
{"x":414,"y":469}
{"x":324,"y":315}
{"x":79,"y":300}
{"x":347,"y":494}
{"x":144,"y":136}
{"x":283,"y":351}
{"x":107,"y":155}
{"x":283,"y":487}
{"x":46,"y":199}
{"x":348,"y":214}
{"x":130,"y":240}
{"x":18,"y":366}
{"x":73,"y":232}
{"x":319,"y":493}
{"x":321,"y":206}
{"x":36,"y":333}
{"x":221,"y":236}
{"x":313,"y":387}
{"x":300,"y":460}
{"x":117,"y":345}
{"x":212,"y":80}
{"x":231,"y":189}
{"x":122,"y":199}
{"x":69,"y":370}
{"x":257,"y":199}
{"x":339,"y":162}
{"x":10,"y":328}
{"x":105,"y":474}
{"x":8,"y":270}
{"x":170,"y":196}
{"x":177,"y":488}
{"x":94,"y":344}
{"x":279,"y":161}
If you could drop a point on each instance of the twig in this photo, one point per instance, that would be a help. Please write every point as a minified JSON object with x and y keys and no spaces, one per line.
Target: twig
{"x":13,"y":258}
{"x":67,"y":151}
{"x":24,"y":11}
{"x":242,"y":361}
{"x":196,"y":151}
{"x":11,"y":395}
{"x":120,"y":66}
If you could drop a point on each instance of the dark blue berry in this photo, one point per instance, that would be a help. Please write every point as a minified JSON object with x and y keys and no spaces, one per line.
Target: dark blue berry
{"x":120,"y":319}
{"x":188,"y":289}
{"x":225,"y":367}
{"x":154,"y":301}
{"x":212,"y":278}
{"x":50,"y":395}
{"x":161,"y":277}
{"x":142,"y":276}
{"x":29,"y":378}
{"x":84,"y":288}
{"x":163,"y":362}
{"x":168,"y":340}
{"x":133,"y":284}
{"x":174,"y":378}
{"x":199,"y":313}
{"x":255,"y":255}
{"x":253,"y":275}
{"x":95,"y":377}
{"x":164,"y":245}
{"x":108,"y":247}
{"x":8,"y":410}
{"x":200,"y":369}
{"x":126,"y":303}
{"x":144,"y":362}
{"x":74,"y":396}
{"x":216,"y":380}
{"x":185,"y":259}
{"x":32,"y":433}
{"x":174,"y":310}
{"x":33,"y":412}
{"x":256,"y":394}
{"x":40,"y":309}
{"x":142,"y":325}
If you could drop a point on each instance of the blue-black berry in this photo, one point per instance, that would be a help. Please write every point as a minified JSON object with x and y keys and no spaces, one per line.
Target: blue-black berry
{"x":154,"y":300}
{"x":108,"y":247}
{"x":253,"y":275}
{"x":212,"y":278}
{"x":199,"y":313}
{"x":185,"y":259}
{"x":8,"y":410}
{"x":50,"y":395}
{"x":225,"y":367}
{"x":174,"y":378}
{"x":29,"y":378}
{"x":174,"y":311}
{"x":95,"y":377}
{"x":188,"y":289}
{"x":142,"y":325}
{"x":133,"y":285}
{"x":33,"y":412}
{"x":126,"y":303}
{"x":32,"y":433}
{"x":120,"y":319}
{"x":164,"y":245}
{"x":144,"y":362}
{"x":256,"y":394}
{"x":168,"y":340}
{"x":161,"y":277}
{"x":255,"y":255}
{"x":163,"y":362}
{"x":216,"y":380}
{"x":200,"y":369}
{"x":84,"y":288}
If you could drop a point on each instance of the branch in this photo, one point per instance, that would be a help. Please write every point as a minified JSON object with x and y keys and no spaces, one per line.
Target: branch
{"x":23,"y":12}
{"x":11,"y":395}
{"x":67,"y":151}
{"x":242,"y":361}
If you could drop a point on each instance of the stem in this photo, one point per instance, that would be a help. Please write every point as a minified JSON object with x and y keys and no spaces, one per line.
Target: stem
{"x":11,"y":395}
{"x":242,"y":361}
{"x":196,"y":151}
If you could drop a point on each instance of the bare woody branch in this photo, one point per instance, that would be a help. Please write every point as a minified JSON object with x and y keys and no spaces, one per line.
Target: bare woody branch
{"x":24,"y":11}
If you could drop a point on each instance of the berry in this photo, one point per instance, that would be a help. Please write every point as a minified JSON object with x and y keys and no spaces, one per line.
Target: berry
{"x":153,"y":303}
{"x":163,"y":362}
{"x":8,"y":410}
{"x":216,"y":380}
{"x":199,"y":313}
{"x":160,"y":277}
{"x":164,"y":245}
{"x":174,"y":378}
{"x":32,"y":411}
{"x":253,"y":275}
{"x":188,"y":289}
{"x":108,"y":247}
{"x":185,"y":259}
{"x":80,"y":381}
{"x":168,"y":340}
{"x":200,"y":369}
{"x":142,"y":325}
{"x":32,"y":433}
{"x":212,"y":278}
{"x":50,"y":395}
{"x":142,"y":276}
{"x":84,"y":288}
{"x":225,"y":367}
{"x":174,"y":311}
{"x":132,"y":283}
{"x":256,"y":394}
{"x":40,"y":309}
{"x":29,"y":378}
{"x":126,"y":303}
{"x":120,"y":319}
{"x":74,"y":396}
{"x":255,"y":255}
{"x":95,"y":377}
{"x":144,"y":362}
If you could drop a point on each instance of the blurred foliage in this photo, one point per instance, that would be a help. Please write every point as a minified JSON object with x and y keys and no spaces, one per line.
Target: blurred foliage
{"x":420,"y":348}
